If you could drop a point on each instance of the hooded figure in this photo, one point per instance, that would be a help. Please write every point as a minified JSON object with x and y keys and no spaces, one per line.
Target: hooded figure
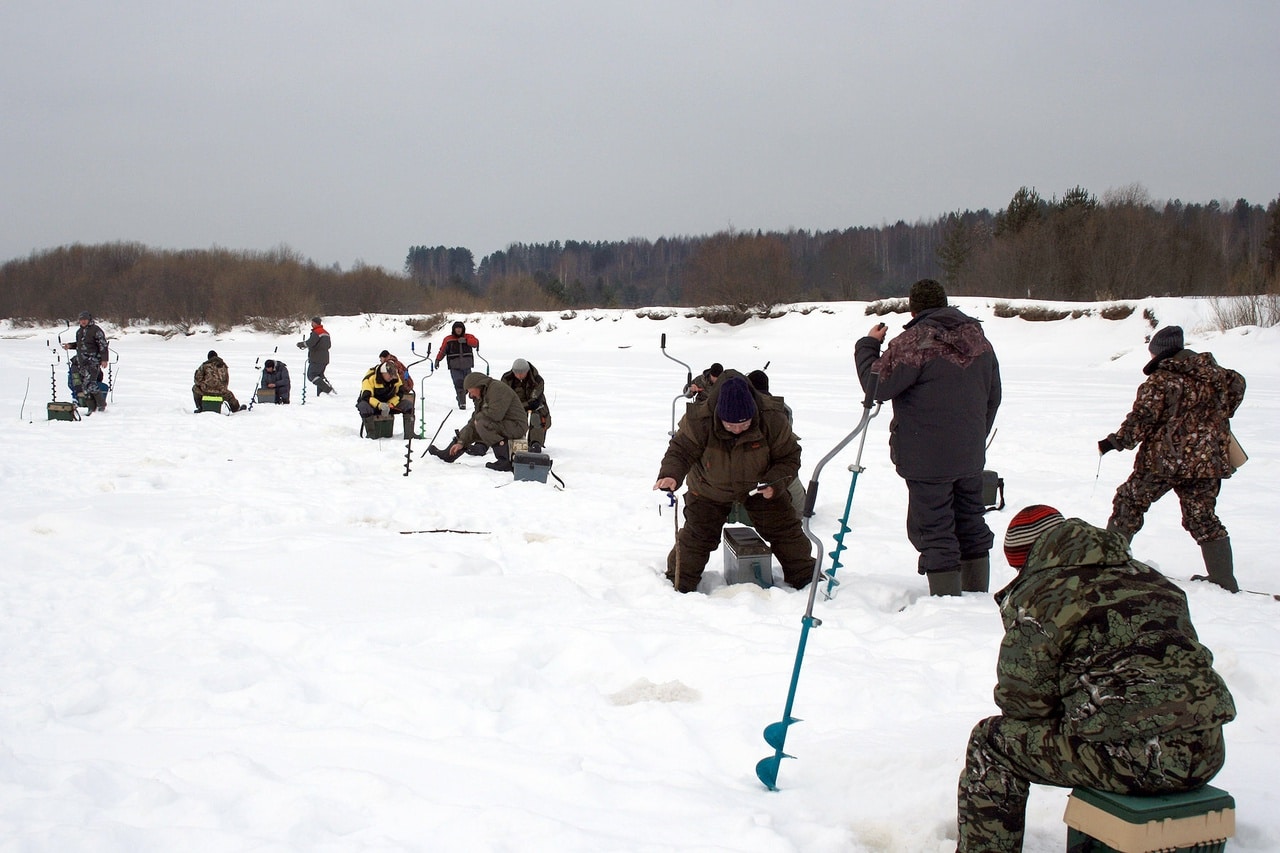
{"x":499,"y":417}
{"x":1101,"y":682}
{"x":458,"y":348}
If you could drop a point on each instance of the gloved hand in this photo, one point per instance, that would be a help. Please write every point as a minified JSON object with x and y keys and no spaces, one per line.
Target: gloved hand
{"x":302,"y":344}
{"x":1105,"y":446}
{"x":384,"y":408}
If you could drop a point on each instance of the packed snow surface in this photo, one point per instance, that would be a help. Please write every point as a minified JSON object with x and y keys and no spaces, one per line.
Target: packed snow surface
{"x":262,"y":632}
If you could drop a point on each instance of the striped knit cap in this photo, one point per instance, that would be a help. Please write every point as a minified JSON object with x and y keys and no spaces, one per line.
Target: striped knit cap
{"x":1025,"y":528}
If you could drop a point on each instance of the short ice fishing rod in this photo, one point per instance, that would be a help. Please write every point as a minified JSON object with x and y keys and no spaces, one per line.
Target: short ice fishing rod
{"x":775,"y":734}
{"x":688,"y":380}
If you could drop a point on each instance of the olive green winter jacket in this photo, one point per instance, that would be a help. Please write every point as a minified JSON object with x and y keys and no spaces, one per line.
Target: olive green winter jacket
{"x":499,"y":413}
{"x":724,"y":467}
{"x":1103,"y":642}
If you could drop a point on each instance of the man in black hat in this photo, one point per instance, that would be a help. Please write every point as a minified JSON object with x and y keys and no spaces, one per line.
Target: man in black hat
{"x":275,"y":376}
{"x":87,"y":364}
{"x":944,"y":380}
{"x":1181,"y":420}
{"x":211,"y":380}
{"x":736,"y":447}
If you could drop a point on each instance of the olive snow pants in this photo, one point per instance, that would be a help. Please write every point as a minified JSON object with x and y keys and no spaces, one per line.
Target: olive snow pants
{"x":773,"y":518}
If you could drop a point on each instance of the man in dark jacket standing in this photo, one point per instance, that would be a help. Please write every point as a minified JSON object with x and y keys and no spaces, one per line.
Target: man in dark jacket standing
{"x":317,"y":347}
{"x":944,"y":380}
{"x":1180,"y":419}
{"x":499,"y":417}
{"x":90,"y":360}
{"x":1101,"y":682}
{"x":737,"y":446}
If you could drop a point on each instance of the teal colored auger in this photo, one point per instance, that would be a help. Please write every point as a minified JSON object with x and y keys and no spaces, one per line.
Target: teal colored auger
{"x":775,"y":734}
{"x":856,"y":468}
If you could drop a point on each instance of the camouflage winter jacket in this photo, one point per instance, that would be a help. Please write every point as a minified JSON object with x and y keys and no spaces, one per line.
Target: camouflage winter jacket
{"x":91,"y":344}
{"x":1103,"y":642}
{"x":1180,"y":418}
{"x":212,"y":377}
{"x":531,"y":390}
{"x":944,"y":380}
{"x":724,"y":467}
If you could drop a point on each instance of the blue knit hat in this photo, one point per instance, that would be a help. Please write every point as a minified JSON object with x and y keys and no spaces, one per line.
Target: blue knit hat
{"x":736,"y":404}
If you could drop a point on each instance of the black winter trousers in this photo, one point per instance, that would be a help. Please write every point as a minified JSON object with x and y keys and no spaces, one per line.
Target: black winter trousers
{"x":945,"y":522}
{"x":774,"y":519}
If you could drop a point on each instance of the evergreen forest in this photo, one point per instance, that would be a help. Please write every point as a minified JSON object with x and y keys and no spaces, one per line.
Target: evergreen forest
{"x":1073,"y":247}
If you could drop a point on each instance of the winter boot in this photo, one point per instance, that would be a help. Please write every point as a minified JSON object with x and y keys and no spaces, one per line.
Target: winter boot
{"x":503,"y":462}
{"x":1217,"y":559}
{"x":443,"y":455}
{"x":944,"y":583}
{"x":477,"y":448}
{"x":975,"y":574}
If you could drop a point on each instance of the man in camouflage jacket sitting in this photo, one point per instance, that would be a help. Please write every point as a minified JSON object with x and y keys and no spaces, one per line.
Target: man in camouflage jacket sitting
{"x":211,"y":379}
{"x":1101,"y":682}
{"x":1181,"y":420}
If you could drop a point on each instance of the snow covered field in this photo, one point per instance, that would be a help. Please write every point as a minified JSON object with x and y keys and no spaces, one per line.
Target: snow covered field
{"x":214,"y":636}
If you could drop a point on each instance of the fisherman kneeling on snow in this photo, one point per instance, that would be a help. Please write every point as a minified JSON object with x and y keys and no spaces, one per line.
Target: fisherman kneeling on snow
{"x":499,"y":417}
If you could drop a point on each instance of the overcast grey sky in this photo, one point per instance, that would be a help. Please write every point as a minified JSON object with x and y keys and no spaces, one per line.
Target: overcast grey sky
{"x":350,"y":131}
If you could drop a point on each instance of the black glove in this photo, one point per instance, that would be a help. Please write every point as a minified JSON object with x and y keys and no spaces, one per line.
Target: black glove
{"x":1105,"y":446}
{"x":302,"y":344}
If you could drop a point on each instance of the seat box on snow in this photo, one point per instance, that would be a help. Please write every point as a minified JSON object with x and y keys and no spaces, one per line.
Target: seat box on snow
{"x":209,"y":403}
{"x":379,"y":426}
{"x":59,"y":411}
{"x":531,"y":466}
{"x":266,"y":395}
{"x":747,"y":559}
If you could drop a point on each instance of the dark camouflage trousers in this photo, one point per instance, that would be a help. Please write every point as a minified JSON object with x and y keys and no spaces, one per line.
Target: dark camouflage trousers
{"x":774,"y":519}
{"x":1198,"y":497}
{"x":1005,"y":756}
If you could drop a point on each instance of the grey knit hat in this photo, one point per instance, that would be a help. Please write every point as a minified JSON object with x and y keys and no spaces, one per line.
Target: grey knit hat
{"x":519,"y":366}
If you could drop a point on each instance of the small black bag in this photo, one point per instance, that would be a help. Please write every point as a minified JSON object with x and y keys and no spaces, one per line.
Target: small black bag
{"x":992,"y":491}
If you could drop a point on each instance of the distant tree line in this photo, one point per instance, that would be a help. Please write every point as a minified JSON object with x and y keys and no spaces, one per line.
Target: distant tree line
{"x":1076,"y":247}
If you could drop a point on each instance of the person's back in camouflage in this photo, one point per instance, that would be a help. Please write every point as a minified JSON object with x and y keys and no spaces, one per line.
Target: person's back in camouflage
{"x":1102,"y":682}
{"x":211,"y":379}
{"x":1180,"y":423}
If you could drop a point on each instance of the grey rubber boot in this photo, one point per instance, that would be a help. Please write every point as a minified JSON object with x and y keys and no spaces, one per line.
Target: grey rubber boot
{"x":1217,"y":559}
{"x":975,"y":574}
{"x":944,"y":583}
